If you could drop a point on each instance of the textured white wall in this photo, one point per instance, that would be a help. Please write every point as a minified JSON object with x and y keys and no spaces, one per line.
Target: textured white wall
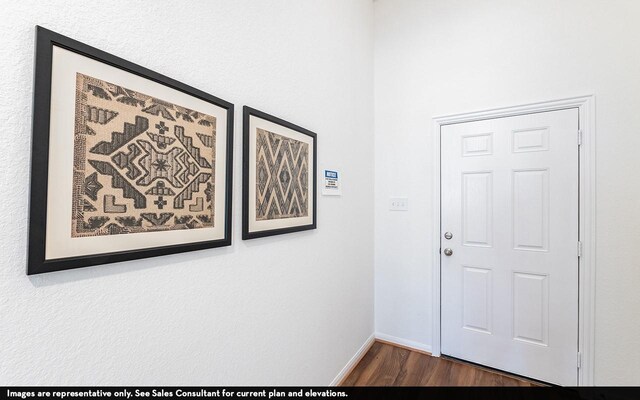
{"x":278,"y":310}
{"x":442,"y":57}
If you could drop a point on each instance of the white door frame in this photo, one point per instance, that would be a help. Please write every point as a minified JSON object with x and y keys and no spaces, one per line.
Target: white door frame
{"x":587,"y":218}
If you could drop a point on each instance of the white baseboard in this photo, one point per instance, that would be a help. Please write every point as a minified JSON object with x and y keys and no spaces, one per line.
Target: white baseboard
{"x":404,"y":342}
{"x":354,"y":361}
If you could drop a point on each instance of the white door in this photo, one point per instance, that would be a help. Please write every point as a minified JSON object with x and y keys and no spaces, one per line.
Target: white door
{"x":510,"y":202}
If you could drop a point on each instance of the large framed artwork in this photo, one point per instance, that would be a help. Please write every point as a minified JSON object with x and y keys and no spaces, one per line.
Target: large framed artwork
{"x":126,"y":163}
{"x":279,"y":176}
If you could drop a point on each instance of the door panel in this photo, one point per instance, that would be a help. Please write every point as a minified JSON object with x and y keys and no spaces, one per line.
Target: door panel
{"x":476,"y":311}
{"x":531,"y":209}
{"x":531,"y":308}
{"x":510,"y":287}
{"x":477,"y":207}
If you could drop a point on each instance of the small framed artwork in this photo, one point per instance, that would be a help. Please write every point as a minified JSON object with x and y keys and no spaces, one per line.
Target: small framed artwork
{"x":279,"y":176}
{"x":126,"y":163}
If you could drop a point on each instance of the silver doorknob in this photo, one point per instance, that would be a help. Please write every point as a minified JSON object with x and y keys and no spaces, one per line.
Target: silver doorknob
{"x":448,"y":235}
{"x":448,"y":252}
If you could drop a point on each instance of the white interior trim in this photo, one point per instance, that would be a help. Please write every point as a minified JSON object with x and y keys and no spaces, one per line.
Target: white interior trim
{"x":404,"y":342}
{"x":346,"y":370}
{"x":587,"y":232}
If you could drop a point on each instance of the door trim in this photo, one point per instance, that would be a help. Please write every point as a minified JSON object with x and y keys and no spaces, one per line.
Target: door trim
{"x":587,"y":217}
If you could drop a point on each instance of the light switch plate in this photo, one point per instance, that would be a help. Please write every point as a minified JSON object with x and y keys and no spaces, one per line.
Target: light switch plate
{"x":399,"y":204}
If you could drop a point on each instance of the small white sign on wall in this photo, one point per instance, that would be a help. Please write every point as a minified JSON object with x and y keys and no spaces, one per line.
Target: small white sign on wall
{"x":331,"y":184}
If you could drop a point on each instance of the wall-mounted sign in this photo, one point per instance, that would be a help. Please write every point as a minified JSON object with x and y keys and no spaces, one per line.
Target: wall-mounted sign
{"x":331,"y":185}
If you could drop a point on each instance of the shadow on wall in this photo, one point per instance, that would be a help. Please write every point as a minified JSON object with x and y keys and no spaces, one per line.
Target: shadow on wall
{"x":97,"y":271}
{"x":269,"y":240}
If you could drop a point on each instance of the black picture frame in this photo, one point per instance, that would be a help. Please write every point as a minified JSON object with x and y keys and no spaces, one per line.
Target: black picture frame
{"x":36,"y":261}
{"x":247,"y":234}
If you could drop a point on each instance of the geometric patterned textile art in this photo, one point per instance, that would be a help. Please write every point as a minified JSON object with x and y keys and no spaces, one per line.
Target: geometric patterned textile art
{"x":142,"y":164}
{"x":126,"y":163}
{"x":282,"y":171}
{"x":278,"y":176}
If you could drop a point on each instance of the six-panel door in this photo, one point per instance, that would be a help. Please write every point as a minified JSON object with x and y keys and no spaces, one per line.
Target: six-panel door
{"x":510,"y":201}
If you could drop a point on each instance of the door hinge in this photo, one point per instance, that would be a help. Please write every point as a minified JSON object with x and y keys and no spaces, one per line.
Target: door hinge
{"x":579,"y":360}
{"x":579,"y":137}
{"x":579,"y":249}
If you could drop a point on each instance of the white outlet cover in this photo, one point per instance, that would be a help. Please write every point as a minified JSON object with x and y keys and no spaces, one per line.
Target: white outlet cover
{"x":399,"y":204}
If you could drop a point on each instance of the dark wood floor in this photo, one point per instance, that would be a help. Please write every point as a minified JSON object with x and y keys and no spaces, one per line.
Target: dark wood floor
{"x":389,"y":365}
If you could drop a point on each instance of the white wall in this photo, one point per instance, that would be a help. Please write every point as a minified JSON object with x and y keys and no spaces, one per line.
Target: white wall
{"x":277,"y":310}
{"x":442,"y":57}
